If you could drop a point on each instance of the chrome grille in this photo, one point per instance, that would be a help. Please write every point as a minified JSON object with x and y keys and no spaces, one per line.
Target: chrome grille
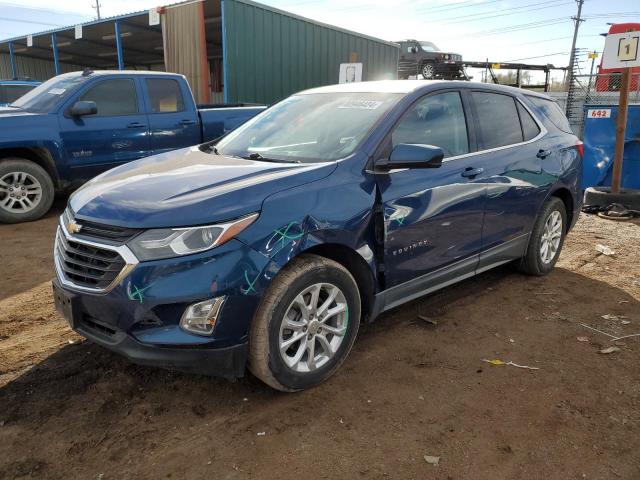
{"x":100,"y":231}
{"x":87,"y":265}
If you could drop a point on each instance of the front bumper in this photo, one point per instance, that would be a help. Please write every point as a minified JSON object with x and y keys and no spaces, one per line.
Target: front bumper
{"x":139,"y":314}
{"x":228,"y":362}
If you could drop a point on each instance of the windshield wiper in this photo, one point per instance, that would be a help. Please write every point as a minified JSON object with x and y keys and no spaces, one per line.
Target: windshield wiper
{"x":257,"y":156}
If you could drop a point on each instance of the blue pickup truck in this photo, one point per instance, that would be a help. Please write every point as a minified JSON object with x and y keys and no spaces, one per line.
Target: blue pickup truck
{"x":268,"y":247}
{"x":77,"y":125}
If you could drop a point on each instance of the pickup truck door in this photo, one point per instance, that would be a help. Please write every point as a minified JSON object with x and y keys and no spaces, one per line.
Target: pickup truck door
{"x":432,"y":217}
{"x":117,"y":134}
{"x":173,"y":117}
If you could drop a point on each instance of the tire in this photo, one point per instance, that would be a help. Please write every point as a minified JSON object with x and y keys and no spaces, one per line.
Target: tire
{"x":535,"y":262}
{"x":602,"y":197}
{"x":268,"y":331}
{"x":34,"y":193}
{"x":428,"y":70}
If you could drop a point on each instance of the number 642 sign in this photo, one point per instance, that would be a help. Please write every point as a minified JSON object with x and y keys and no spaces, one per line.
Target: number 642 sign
{"x":621,"y":50}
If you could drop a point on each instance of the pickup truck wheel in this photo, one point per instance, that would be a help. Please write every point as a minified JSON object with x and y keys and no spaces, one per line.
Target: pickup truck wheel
{"x":546,"y":240}
{"x":428,"y":70}
{"x":26,"y":190}
{"x":305,"y":325}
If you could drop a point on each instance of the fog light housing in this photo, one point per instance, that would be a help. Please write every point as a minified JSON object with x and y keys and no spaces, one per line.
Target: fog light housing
{"x":200,"y":318}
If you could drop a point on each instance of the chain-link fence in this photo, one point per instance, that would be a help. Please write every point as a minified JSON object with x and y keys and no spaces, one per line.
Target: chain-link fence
{"x":596,"y":90}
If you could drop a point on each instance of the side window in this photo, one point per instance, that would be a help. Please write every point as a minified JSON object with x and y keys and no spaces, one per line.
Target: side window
{"x":165,"y":95}
{"x":435,"y":120}
{"x":114,"y":97}
{"x":530,"y":128}
{"x":498,"y":119}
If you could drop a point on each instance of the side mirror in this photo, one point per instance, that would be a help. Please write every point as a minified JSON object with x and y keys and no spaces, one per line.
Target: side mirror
{"x":82,"y":108}
{"x":408,"y":155}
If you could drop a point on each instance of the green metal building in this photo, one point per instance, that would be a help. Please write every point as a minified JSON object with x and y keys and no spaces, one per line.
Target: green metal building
{"x":269,"y":53}
{"x":229,"y":50}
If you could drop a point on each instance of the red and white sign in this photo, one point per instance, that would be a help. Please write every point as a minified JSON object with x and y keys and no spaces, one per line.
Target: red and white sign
{"x":599,"y":113}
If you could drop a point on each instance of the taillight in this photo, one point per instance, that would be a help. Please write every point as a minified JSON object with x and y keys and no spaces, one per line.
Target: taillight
{"x":580,"y":148}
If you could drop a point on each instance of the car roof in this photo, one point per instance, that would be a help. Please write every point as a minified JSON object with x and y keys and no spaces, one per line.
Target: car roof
{"x":408,"y":86}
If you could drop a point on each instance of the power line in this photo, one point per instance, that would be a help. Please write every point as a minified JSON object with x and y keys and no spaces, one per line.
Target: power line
{"x":537,"y":56}
{"x":452,"y":6}
{"x":34,"y":22}
{"x":522,"y":26}
{"x":537,"y":6}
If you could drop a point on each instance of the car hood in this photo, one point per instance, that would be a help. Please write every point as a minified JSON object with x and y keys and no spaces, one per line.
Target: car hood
{"x":187,"y":187}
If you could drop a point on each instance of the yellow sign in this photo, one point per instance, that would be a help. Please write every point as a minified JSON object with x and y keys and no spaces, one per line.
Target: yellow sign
{"x":593,"y":55}
{"x":495,"y":65}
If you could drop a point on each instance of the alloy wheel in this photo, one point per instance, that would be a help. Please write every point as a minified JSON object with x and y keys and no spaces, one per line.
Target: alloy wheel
{"x":313,"y":327}
{"x":428,"y":71}
{"x":551,"y":236}
{"x":20,"y":192}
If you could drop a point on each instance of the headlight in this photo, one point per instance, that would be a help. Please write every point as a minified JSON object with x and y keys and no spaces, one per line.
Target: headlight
{"x":171,"y":242}
{"x":446,"y":56}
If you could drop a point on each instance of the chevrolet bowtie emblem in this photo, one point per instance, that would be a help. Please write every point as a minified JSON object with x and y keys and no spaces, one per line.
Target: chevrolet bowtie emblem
{"x":73,"y":227}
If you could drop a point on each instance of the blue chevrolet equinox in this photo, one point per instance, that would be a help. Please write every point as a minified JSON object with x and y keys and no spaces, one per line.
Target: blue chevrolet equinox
{"x":268,"y":248}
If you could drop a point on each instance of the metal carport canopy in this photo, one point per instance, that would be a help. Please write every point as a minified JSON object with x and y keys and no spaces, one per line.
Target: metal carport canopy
{"x":141,"y":44}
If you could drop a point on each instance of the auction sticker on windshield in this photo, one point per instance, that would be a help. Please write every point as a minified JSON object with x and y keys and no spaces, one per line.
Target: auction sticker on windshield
{"x":599,"y":113}
{"x":361,"y":104}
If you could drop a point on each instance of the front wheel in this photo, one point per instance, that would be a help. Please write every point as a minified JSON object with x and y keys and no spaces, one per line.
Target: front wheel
{"x":26,"y":190}
{"x":546,"y":239}
{"x":428,"y":71}
{"x":306,"y":324}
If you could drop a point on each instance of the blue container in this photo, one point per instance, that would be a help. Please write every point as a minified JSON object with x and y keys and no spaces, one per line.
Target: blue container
{"x":600,"y":144}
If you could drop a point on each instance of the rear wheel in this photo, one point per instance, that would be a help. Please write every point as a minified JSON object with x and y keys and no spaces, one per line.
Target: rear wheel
{"x":546,"y":239}
{"x":306,"y":324}
{"x":26,"y":190}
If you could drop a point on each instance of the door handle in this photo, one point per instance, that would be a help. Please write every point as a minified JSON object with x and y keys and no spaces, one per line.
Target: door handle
{"x":471,"y":172}
{"x":136,"y":125}
{"x":185,"y":122}
{"x":543,"y":153}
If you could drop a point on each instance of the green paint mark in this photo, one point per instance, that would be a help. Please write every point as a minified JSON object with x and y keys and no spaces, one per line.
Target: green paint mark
{"x":347,"y":316}
{"x":284,"y":234}
{"x":250,"y":288}
{"x":137,"y":294}
{"x":400,"y":220}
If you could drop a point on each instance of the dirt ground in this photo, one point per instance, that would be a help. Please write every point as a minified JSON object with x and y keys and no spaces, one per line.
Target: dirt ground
{"x":70,"y":409}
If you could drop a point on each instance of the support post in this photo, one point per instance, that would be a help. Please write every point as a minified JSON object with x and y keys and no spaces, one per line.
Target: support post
{"x":621,"y":125}
{"x":12,"y":58}
{"x":205,"y":96}
{"x":119,"y":46}
{"x":54,"y":46}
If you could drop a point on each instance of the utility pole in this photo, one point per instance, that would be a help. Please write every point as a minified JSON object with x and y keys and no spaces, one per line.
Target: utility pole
{"x":593,"y":55}
{"x":96,"y":7}
{"x":577,"y":19}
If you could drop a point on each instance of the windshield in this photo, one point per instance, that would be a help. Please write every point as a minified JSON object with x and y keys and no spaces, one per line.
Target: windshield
{"x":429,"y":47}
{"x":48,"y":95}
{"x":310,"y":128}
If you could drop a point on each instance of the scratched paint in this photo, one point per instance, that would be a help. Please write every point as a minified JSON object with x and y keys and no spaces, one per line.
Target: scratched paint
{"x":135,"y":293}
{"x":250,"y":288}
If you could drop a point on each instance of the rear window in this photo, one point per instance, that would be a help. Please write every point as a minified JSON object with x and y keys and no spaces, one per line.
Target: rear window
{"x":553,"y":112}
{"x":165,"y":95}
{"x":498,"y":119}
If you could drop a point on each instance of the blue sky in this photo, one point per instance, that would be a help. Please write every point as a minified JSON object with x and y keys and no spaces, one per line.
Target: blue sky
{"x":535,"y":31}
